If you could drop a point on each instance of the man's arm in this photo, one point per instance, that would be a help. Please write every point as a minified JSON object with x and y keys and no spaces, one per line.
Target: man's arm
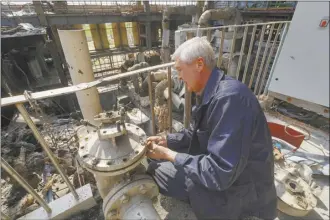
{"x":181,"y":140}
{"x":230,"y":123}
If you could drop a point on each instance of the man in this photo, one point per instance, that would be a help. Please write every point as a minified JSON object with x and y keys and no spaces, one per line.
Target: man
{"x":223,"y":166}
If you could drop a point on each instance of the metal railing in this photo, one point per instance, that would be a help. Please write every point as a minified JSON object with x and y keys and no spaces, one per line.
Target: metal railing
{"x":251,"y":65}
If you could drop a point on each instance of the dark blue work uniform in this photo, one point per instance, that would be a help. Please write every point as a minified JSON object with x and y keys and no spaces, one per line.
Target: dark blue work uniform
{"x":225,"y":168}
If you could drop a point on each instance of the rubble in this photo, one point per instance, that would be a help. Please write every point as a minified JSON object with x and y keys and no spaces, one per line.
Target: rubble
{"x":21,"y":150}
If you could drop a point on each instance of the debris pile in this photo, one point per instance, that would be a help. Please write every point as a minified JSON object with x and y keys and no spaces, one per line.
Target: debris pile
{"x":295,"y":187}
{"x":22,"y":151}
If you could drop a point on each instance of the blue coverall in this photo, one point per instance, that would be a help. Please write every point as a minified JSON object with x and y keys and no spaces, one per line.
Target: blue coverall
{"x":225,"y":168}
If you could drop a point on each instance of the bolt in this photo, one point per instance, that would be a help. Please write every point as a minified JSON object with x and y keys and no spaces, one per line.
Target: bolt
{"x":143,"y":189}
{"x":124,"y":199}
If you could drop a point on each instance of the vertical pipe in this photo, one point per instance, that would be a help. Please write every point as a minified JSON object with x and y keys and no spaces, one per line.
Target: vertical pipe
{"x":221,"y":47}
{"x":151,"y":105}
{"x":249,"y":53}
{"x":45,"y":147}
{"x":187,"y":107}
{"x":76,"y":52}
{"x":136,"y":34}
{"x":241,"y":52}
{"x":24,"y":184}
{"x":263,"y":59}
{"x":268,"y":59}
{"x":232,"y":49}
{"x":257,"y":55}
{"x":279,"y":49}
{"x":169,"y":100}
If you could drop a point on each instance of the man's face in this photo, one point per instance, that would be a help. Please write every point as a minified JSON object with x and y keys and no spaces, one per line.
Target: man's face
{"x":191,"y":74}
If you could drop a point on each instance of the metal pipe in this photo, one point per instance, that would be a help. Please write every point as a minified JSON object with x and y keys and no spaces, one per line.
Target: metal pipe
{"x":232,"y":49}
{"x":187,"y":107}
{"x":24,"y":184}
{"x":269,"y":58}
{"x":76,"y":52}
{"x":45,"y":147}
{"x":221,"y":47}
{"x":230,"y":14}
{"x":257,"y":55}
{"x":263,"y":58}
{"x":80,"y":87}
{"x":169,"y":100}
{"x":249,"y":53}
{"x":153,"y":123}
{"x":285,"y":31}
{"x":241,"y":52}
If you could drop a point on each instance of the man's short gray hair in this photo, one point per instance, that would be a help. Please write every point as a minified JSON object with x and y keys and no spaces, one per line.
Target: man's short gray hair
{"x":193,"y":49}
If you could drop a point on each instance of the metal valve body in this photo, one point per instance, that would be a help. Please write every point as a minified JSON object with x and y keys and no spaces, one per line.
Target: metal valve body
{"x":113,"y":152}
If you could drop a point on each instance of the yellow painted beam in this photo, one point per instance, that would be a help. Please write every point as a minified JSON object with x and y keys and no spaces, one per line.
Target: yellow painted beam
{"x":123,"y":34}
{"x":116,"y":34}
{"x":119,"y":34}
{"x":99,"y":36}
{"x":136,"y":33}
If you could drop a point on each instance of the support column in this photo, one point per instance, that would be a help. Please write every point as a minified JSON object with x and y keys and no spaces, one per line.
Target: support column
{"x":148,"y":24}
{"x":76,"y":53}
{"x":99,"y":35}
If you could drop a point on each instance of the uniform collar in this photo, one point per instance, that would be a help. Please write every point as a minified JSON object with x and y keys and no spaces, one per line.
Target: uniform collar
{"x":212,"y":85}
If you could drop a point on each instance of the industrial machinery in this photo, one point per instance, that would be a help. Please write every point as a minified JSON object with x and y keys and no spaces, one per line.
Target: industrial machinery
{"x":113,"y":152}
{"x":297,"y":76}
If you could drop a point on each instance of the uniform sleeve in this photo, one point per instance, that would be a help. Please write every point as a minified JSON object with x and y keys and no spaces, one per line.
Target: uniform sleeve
{"x":179,"y":140}
{"x":230,"y":125}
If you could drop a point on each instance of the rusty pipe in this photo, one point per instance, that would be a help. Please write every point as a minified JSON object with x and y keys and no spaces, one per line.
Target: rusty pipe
{"x":230,"y":14}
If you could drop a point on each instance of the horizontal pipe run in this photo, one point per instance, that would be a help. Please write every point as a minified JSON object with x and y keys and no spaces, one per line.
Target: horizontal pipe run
{"x":12,"y":172}
{"x":79,"y":87}
{"x":45,"y":147}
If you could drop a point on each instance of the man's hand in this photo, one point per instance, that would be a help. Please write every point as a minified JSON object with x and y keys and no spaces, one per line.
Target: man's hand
{"x":155,"y":151}
{"x":159,"y":140}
